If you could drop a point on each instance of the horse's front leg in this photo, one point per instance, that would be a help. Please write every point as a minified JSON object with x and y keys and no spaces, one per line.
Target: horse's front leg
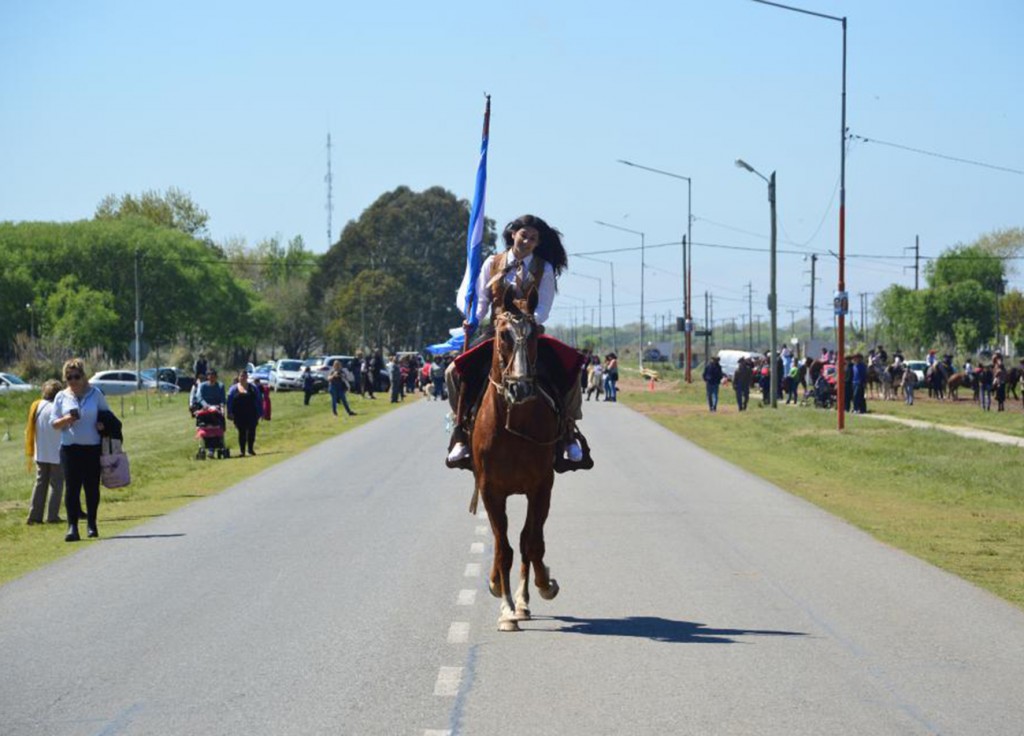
{"x":533,"y":541}
{"x":501,"y":568}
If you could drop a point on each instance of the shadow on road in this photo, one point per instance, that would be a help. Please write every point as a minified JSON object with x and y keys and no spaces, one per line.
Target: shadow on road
{"x":146,"y":536}
{"x":659,"y":629}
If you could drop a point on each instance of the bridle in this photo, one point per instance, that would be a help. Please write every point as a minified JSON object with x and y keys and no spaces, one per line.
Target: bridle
{"x":519,"y":385}
{"x":519,"y":374}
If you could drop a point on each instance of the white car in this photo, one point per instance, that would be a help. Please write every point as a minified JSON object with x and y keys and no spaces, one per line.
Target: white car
{"x":289,"y":374}
{"x":117,"y":383}
{"x":10,"y":383}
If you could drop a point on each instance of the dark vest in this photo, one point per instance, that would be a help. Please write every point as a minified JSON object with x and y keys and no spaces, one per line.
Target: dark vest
{"x":497,"y":284}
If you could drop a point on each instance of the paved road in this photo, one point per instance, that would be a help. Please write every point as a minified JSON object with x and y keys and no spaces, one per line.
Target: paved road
{"x":340,"y":593}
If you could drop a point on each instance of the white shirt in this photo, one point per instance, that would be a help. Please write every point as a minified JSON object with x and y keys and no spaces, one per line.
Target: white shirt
{"x":47,"y":438}
{"x":545,"y":289}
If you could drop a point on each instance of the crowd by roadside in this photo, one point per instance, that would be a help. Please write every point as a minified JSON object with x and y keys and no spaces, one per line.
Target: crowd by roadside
{"x":814,"y":381}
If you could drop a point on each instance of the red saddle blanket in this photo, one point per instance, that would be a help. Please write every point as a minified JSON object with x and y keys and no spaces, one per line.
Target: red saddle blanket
{"x":568,"y":359}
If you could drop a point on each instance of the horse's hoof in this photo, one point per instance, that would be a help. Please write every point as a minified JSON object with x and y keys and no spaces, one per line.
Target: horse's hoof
{"x":494,"y":588}
{"x":522,"y":613}
{"x":550,"y":592}
{"x":508,"y":624}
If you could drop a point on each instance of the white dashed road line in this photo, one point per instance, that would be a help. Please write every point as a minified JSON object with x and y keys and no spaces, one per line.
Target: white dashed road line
{"x":458,"y":632}
{"x":472,"y":570}
{"x":467,"y":597}
{"x":448,"y":681}
{"x":477,"y":548}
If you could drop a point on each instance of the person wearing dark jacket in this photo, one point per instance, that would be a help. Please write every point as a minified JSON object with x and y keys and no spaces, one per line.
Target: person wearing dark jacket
{"x":741,"y":379}
{"x":713,"y":378}
{"x":245,"y":407}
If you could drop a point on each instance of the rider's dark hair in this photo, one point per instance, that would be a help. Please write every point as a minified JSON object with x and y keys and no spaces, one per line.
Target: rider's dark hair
{"x":549,"y":246}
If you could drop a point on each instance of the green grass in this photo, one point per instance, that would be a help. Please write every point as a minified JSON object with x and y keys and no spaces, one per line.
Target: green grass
{"x":959,"y":504}
{"x":160,"y":441}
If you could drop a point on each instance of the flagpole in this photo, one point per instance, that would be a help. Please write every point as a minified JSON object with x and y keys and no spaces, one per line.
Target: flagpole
{"x":471,"y":287}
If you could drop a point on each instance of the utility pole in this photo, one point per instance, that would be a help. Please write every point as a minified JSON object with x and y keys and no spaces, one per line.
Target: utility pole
{"x":814,"y":261}
{"x":707,"y":328}
{"x":138,"y":325}
{"x":792,"y":322}
{"x":711,"y":322}
{"x":750,"y":316}
{"x":917,"y":258}
{"x":758,"y":331}
{"x":330,"y":192}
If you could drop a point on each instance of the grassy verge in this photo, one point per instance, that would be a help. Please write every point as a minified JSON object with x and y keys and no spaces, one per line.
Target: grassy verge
{"x":160,"y":441}
{"x":959,"y":504}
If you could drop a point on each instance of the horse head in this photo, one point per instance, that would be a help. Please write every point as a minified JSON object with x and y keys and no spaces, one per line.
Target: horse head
{"x":515,"y":348}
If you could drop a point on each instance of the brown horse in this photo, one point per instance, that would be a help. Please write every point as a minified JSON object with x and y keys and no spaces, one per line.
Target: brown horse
{"x":513,"y":444}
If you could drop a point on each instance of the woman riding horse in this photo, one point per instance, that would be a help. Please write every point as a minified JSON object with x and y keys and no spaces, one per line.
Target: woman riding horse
{"x":529,"y":267}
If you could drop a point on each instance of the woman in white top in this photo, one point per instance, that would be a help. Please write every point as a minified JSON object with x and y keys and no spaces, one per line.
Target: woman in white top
{"x":527,"y":239}
{"x":43,"y":446}
{"x":76,"y":414}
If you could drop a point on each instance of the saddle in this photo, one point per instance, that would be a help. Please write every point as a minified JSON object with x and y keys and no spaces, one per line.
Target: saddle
{"x":558,"y":366}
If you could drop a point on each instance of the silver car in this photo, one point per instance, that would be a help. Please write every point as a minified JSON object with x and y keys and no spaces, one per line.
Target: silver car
{"x":10,"y":383}
{"x":118,"y":382}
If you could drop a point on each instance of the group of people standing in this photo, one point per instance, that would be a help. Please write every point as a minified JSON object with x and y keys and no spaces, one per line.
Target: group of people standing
{"x":63,"y":437}
{"x":245,"y":403}
{"x":600,"y":378}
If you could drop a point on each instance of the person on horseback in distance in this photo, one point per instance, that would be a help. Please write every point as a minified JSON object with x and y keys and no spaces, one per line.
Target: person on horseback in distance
{"x":534,"y":258}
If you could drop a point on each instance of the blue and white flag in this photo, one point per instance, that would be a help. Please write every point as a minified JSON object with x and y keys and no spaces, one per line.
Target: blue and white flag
{"x":465,"y":297}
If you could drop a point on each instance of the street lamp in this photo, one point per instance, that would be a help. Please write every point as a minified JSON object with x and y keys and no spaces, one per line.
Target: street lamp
{"x":841,"y":289}
{"x":687,"y":261}
{"x":615,"y":341}
{"x":643,"y":266}
{"x":599,"y":299}
{"x":772,"y":299}
{"x":31,"y":321}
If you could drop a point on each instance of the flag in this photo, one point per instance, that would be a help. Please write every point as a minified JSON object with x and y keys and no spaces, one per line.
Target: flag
{"x":465,"y":297}
{"x":453,"y":344}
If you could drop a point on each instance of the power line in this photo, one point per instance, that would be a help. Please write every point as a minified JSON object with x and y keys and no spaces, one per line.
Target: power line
{"x":938,"y":155}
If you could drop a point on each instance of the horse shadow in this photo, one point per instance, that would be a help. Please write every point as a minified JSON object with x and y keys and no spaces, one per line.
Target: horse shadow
{"x":659,"y":629}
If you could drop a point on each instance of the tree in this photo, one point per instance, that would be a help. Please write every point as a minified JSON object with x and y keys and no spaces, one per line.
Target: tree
{"x":186,"y":293}
{"x":901,"y":318}
{"x":83,"y":318}
{"x":418,"y":239}
{"x":966,"y":263}
{"x":174,"y":209}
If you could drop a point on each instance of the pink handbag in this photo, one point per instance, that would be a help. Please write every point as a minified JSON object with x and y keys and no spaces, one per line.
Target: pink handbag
{"x":114,"y":470}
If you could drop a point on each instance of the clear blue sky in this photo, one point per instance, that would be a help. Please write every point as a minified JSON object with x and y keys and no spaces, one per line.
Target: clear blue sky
{"x":232,"y":103}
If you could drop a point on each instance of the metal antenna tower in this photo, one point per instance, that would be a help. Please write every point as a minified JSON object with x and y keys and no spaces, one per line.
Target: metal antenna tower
{"x":330,"y":192}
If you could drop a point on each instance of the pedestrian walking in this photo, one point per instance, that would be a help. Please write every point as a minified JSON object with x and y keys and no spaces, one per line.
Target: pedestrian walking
{"x":245,"y":407}
{"x":76,"y":412}
{"x":307,"y":385}
{"x":337,"y":386}
{"x":713,"y":380}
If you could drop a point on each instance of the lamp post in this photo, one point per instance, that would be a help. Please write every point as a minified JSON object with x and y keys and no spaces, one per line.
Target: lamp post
{"x":643,"y":267}
{"x":841,"y":288}
{"x":772,"y":298}
{"x":687,"y":258}
{"x":611,"y":265}
{"x":31,"y":321}
{"x":599,"y":299}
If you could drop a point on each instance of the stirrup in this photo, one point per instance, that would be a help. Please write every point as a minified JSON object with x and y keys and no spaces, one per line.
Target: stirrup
{"x":564,"y":464}
{"x":459,"y":457}
{"x":459,"y":452}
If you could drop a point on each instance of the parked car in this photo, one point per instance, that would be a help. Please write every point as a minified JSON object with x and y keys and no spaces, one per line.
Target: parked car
{"x":10,"y":383}
{"x":289,"y":374}
{"x":118,"y":382}
{"x":168,"y":374}
{"x":920,"y":367}
{"x":266,"y":372}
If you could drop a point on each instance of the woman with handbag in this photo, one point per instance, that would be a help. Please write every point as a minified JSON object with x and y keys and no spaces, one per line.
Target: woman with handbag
{"x":76,"y":414}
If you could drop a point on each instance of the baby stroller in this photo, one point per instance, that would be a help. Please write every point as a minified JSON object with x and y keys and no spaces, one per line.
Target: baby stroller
{"x":210,"y":431}
{"x":824,"y":393}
